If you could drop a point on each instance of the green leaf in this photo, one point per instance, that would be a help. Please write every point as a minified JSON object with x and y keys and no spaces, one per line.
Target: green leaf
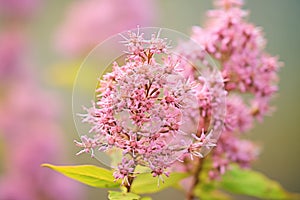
{"x":87,"y":174}
{"x":211,"y":195}
{"x":146,"y":198}
{"x":252,"y":183}
{"x":142,"y":169}
{"x":207,"y":189}
{"x":113,"y":195}
{"x":145,"y":183}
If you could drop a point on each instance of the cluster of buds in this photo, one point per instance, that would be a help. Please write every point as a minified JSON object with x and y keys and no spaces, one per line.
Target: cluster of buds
{"x":144,"y":108}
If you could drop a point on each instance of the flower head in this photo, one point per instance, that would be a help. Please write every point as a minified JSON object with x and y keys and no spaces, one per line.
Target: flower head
{"x":143,"y":108}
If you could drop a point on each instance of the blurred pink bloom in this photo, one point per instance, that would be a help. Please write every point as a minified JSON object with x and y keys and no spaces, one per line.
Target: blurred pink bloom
{"x":12,"y":55}
{"x":89,"y":22}
{"x":232,"y":149}
{"x":29,"y":131}
{"x":18,"y":8}
{"x":238,"y":117}
{"x":31,"y":137}
{"x":250,"y":78}
{"x":239,"y":46}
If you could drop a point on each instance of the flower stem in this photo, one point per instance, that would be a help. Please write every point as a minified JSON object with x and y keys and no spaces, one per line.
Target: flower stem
{"x":128,"y":185}
{"x":196,"y":179}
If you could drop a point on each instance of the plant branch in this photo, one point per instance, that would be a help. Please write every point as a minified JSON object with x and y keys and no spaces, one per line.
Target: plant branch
{"x":196,"y":178}
{"x":128,"y":185}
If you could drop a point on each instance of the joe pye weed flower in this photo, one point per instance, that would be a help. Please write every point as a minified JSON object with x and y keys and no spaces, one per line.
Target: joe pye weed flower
{"x":162,"y":109}
{"x":143,"y":108}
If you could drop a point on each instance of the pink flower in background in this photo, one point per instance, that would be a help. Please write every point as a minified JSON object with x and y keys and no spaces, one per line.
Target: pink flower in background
{"x":89,"y":22}
{"x":29,"y":130}
{"x":238,"y":117}
{"x":239,"y":47}
{"x":38,"y":142}
{"x":31,"y":137}
{"x":250,"y":77}
{"x":232,"y":149}
{"x":12,"y":54}
{"x":18,"y":8}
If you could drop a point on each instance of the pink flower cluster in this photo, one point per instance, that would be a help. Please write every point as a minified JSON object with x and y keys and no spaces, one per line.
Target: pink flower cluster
{"x":250,"y":76}
{"x":239,"y":47}
{"x":144,"y":109}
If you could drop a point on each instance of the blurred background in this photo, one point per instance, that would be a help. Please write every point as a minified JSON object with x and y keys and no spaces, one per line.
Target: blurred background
{"x":42,"y":44}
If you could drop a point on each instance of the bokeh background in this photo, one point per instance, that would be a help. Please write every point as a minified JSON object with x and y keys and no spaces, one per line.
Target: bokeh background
{"x":51,"y":38}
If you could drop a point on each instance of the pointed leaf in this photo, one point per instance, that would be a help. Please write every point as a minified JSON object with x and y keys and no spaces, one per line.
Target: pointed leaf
{"x":252,"y":183}
{"x":87,"y":174}
{"x":113,"y":195}
{"x":145,"y":183}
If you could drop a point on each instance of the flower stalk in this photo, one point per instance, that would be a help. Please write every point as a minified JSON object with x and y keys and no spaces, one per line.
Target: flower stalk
{"x":196,"y":178}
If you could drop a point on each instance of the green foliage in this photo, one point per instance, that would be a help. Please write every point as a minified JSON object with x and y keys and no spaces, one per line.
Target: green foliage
{"x":87,"y":174}
{"x":211,"y":195}
{"x":236,"y":181}
{"x":252,"y":183}
{"x":141,"y":169}
{"x":146,"y":198}
{"x":145,"y":183}
{"x":207,"y":189}
{"x":243,"y":182}
{"x":113,"y":195}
